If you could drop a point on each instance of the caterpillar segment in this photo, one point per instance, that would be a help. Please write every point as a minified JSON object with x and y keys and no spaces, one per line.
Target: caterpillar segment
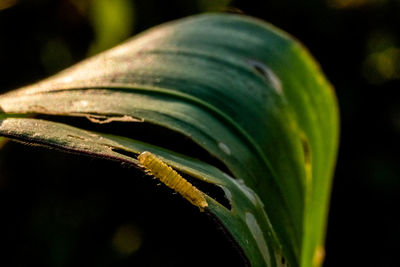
{"x":172,"y":179}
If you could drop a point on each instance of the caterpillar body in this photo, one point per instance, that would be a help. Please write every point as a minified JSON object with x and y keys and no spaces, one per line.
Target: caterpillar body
{"x":172,"y":179}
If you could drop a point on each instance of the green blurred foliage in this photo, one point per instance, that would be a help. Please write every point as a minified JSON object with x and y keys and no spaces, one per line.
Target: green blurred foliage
{"x":55,"y":55}
{"x":382,"y":61}
{"x":112,"y":20}
{"x":213,"y":5}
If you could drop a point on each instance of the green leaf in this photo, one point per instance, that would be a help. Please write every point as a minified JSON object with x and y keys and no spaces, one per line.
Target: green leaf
{"x":113,"y":22}
{"x":247,"y":93}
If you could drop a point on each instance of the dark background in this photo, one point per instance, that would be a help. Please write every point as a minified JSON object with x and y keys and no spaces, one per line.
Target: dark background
{"x":357,"y":43}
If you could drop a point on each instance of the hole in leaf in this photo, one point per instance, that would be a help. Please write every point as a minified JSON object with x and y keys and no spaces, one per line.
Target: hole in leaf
{"x":124,"y":152}
{"x":307,"y":154}
{"x":266,"y":73}
{"x":145,"y":132}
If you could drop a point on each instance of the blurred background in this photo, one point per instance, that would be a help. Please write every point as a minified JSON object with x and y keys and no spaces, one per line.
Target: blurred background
{"x":357,"y":43}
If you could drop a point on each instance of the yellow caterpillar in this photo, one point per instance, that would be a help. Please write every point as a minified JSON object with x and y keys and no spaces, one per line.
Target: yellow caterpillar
{"x":172,"y":179}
